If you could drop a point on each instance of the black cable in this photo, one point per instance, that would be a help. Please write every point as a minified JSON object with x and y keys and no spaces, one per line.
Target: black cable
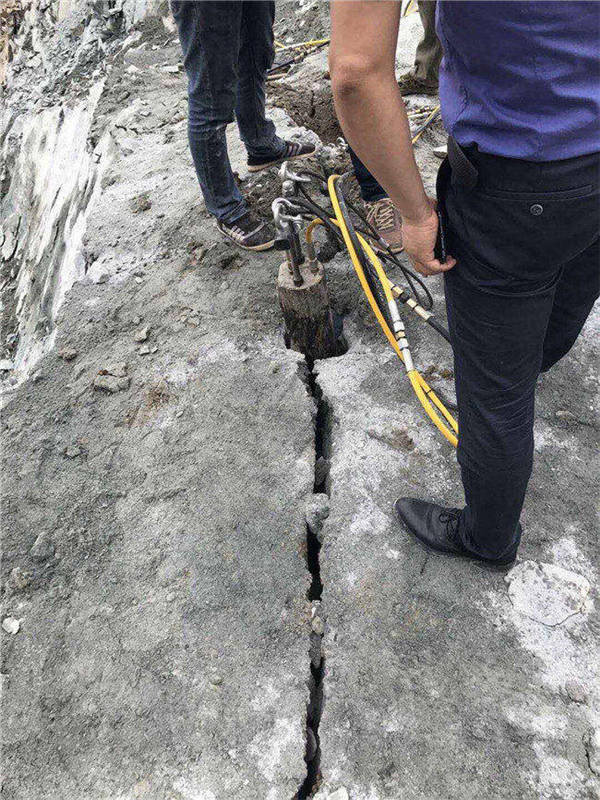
{"x":322,"y":211}
{"x":369,"y":272}
{"x":313,"y":209}
{"x":389,"y":255}
{"x":309,"y":205}
{"x":437,"y":326}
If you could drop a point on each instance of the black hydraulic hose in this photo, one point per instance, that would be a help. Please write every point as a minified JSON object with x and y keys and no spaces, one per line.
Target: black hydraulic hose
{"x":351,"y":231}
{"x":389,"y":255}
{"x":440,"y":329}
{"x":371,"y":276}
{"x":307,"y":203}
{"x":430,"y":319}
{"x":324,"y":216}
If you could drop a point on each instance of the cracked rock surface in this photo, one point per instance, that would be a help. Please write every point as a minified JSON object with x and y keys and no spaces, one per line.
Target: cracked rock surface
{"x":443,"y":679}
{"x":205,"y":595}
{"x":156,"y":626}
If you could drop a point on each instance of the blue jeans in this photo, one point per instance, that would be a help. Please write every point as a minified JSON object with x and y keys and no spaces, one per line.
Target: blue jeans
{"x":227,"y":49}
{"x":370,"y":189}
{"x":528,"y":272}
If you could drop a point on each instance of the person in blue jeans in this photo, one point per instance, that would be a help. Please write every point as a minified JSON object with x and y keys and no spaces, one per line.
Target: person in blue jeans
{"x":228,"y":49}
{"x":520,"y":198}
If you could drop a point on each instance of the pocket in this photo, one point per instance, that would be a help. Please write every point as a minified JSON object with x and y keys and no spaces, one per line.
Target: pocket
{"x":528,"y":234}
{"x":533,"y":197}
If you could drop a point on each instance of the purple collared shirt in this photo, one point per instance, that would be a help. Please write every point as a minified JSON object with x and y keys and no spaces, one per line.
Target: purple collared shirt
{"x":522,"y":79}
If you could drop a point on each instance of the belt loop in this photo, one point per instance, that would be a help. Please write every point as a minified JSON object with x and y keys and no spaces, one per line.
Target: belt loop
{"x":464,"y":172}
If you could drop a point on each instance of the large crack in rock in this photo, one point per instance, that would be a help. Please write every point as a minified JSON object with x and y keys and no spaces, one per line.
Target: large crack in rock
{"x":317,"y":511}
{"x":156,"y":603}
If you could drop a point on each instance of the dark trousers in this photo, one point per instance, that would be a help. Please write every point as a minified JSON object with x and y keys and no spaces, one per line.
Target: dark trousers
{"x":370,"y":189}
{"x":228,"y":48}
{"x":526,"y":237}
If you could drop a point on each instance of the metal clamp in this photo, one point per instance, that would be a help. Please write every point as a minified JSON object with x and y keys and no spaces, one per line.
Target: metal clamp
{"x":281,"y":217}
{"x":288,"y":236}
{"x":287,"y":174}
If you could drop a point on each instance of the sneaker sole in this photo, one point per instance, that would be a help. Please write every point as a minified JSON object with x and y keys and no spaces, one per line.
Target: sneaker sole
{"x":257,"y":248}
{"x":430,"y":549}
{"x":260,"y":167}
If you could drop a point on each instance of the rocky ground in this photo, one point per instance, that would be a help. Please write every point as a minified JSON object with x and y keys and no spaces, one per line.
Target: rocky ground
{"x":204,"y":593}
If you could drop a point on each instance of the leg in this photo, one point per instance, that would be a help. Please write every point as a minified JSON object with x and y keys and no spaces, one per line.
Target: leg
{"x":381,"y":212}
{"x":256,"y":55}
{"x":210,"y":39}
{"x":507,"y":310}
{"x":576,"y":293}
{"x":429,"y":50}
{"x":516,"y":300}
{"x":497,"y":337}
{"x":370,"y":190}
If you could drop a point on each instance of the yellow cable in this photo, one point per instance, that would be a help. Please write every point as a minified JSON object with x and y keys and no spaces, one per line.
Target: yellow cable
{"x":301,"y":45}
{"x":420,"y":387}
{"x":312,"y":225}
{"x":425,"y":124}
{"x":425,"y":391}
{"x":426,"y":388}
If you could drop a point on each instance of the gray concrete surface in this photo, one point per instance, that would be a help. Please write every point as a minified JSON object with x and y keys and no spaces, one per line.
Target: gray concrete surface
{"x":164,"y":612}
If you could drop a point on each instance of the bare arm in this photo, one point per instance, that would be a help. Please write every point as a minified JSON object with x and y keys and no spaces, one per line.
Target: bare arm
{"x":372,"y":115}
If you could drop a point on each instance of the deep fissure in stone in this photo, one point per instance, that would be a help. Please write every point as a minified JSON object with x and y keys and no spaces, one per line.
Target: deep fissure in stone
{"x":315,"y":589}
{"x":313,"y":548}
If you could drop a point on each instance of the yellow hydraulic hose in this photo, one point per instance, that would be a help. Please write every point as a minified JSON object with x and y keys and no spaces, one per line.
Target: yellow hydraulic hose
{"x":423,"y":391}
{"x":425,"y":125}
{"x":301,"y":45}
{"x":397,"y":339}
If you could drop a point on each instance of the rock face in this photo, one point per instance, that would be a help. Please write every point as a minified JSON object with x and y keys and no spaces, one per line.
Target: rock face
{"x":153,"y":536}
{"x":547,"y":593}
{"x":306,"y":93}
{"x":439,"y":675}
{"x":205,"y":594}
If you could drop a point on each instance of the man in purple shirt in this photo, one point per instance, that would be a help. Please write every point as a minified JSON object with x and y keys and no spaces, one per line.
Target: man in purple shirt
{"x":520,"y":196}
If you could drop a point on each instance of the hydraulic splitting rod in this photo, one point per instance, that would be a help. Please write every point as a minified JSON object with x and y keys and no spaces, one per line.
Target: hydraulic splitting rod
{"x":297,"y":206}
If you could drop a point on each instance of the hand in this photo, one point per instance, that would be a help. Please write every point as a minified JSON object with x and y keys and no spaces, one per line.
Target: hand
{"x":419,"y":237}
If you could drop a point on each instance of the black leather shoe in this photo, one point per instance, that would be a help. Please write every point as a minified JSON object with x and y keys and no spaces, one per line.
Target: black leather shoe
{"x":437,"y":527}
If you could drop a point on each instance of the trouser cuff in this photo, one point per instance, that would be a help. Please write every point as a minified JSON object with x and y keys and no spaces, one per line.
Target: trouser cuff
{"x":498,"y":549}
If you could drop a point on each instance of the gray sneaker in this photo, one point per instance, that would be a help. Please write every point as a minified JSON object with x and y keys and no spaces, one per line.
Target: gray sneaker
{"x":292,"y":151}
{"x":249,"y":232}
